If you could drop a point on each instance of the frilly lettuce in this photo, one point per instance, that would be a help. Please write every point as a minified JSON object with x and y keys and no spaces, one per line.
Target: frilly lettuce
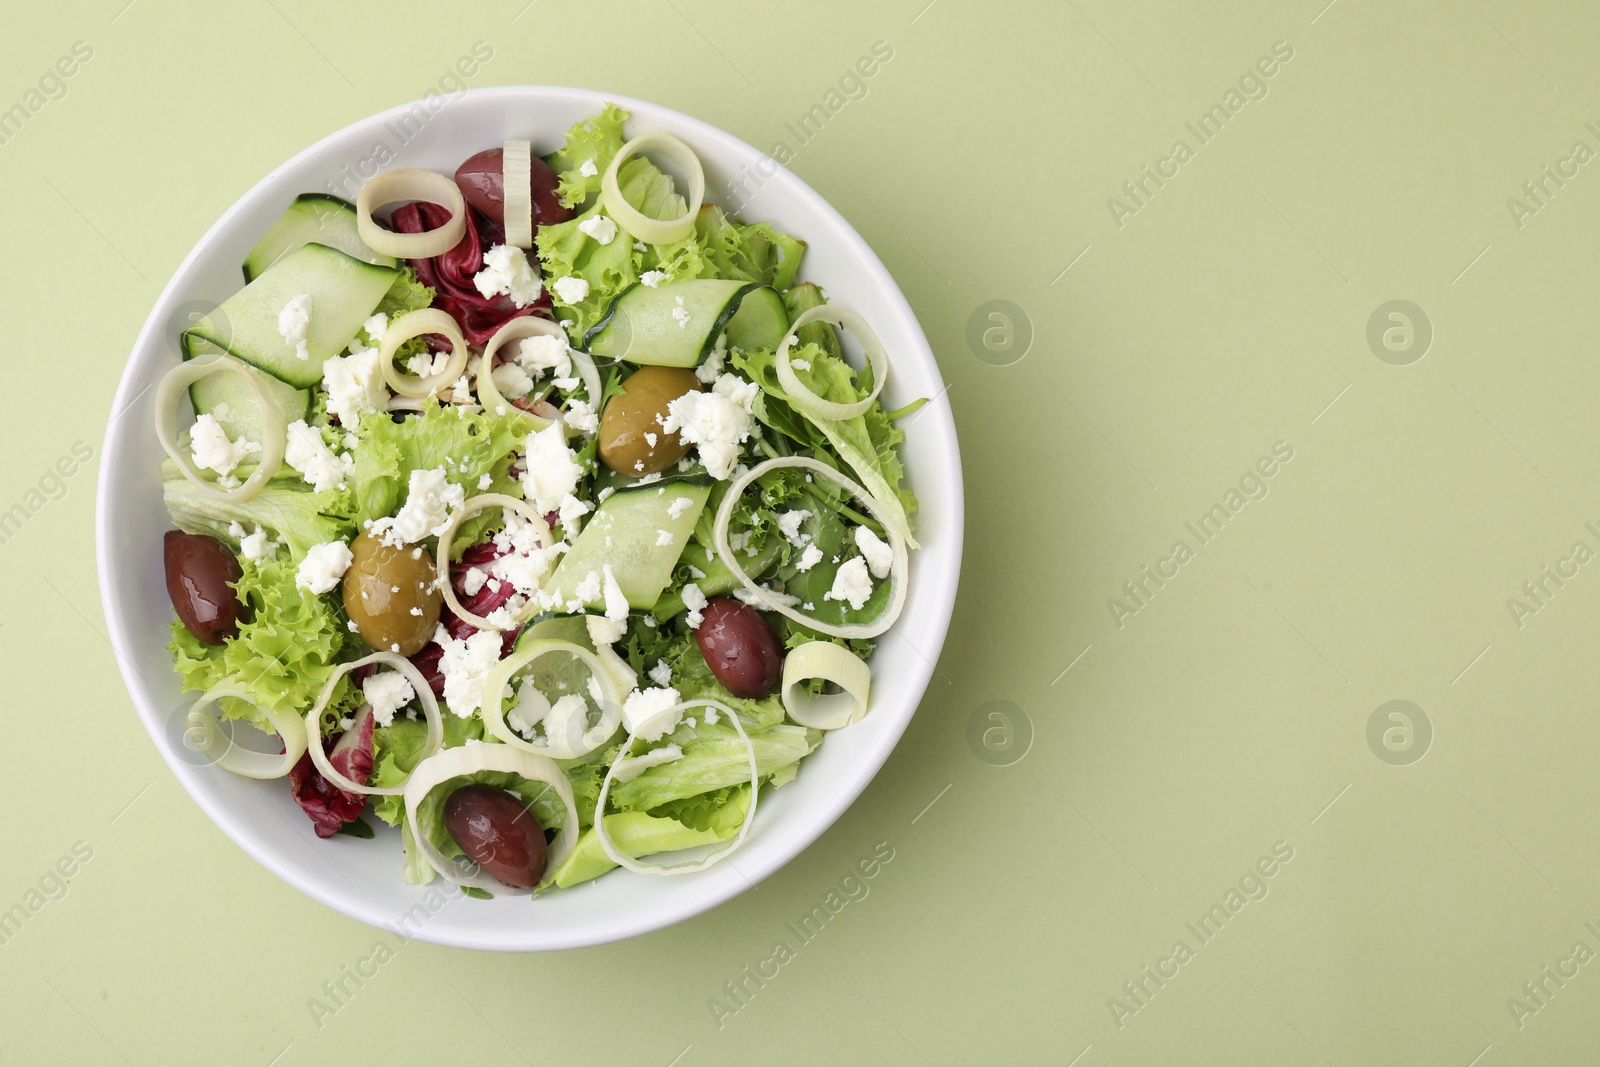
{"x":597,"y":139}
{"x":282,"y":656}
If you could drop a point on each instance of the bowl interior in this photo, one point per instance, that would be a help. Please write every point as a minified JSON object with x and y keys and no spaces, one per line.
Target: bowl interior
{"x":363,"y":878}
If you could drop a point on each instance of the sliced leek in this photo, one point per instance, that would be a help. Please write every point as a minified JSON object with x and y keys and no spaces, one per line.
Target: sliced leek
{"x":394,"y":186}
{"x":831,"y":663}
{"x":472,"y":506}
{"x":470,"y":759}
{"x":430,"y":712}
{"x":801,"y":395}
{"x":517,"y":330}
{"x":567,"y":736}
{"x":415,"y":324}
{"x":623,"y":859}
{"x":206,"y":734}
{"x":641,"y":226}
{"x":766,"y":598}
{"x":516,"y":172}
{"x":170,"y":392}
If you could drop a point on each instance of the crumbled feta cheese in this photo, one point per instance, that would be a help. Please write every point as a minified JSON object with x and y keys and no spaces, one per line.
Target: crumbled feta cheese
{"x":213,"y":449}
{"x":630,"y":767}
{"x":600,"y":228}
{"x":661,"y":673}
{"x":427,"y":364}
{"x":464,"y":665}
{"x":572,"y":509}
{"x":306,"y":452}
{"x":851,"y":583}
{"x":603,"y":631}
{"x":512,"y":381}
{"x":789,"y":525}
{"x":879,"y":556}
{"x":588,"y":169}
{"x":375,"y":327}
{"x":429,"y":500}
{"x":484,"y":482}
{"x":653,"y":278}
{"x":680,"y":314}
{"x":646,"y":713}
{"x":506,"y":273}
{"x":570,"y":290}
{"x":695,"y":601}
{"x":679,"y":505}
{"x":551,"y":471}
{"x":387,"y":693}
{"x":323,"y":566}
{"x":651,"y":439}
{"x":355,"y":386}
{"x":800,"y":364}
{"x":472,"y":581}
{"x":663,"y":538}
{"x":581,"y":417}
{"x":719,"y":422}
{"x":711,"y":367}
{"x":294,"y":321}
{"x":255,"y":547}
{"x":809,"y":558}
{"x":541,"y":353}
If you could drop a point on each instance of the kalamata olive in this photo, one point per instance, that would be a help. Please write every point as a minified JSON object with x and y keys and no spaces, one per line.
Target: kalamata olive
{"x":632,"y":441}
{"x":482,"y":181}
{"x":739,"y":647}
{"x":389,"y":593}
{"x":497,"y":833}
{"x":199,"y":570}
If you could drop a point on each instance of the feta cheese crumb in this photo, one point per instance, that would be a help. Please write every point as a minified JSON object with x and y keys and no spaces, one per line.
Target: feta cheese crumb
{"x":588,"y":169}
{"x":600,"y":228}
{"x":551,"y":472}
{"x":213,"y":449}
{"x":663,"y":538}
{"x":581,"y":417}
{"x":879,"y":556}
{"x":464,"y":665}
{"x":646,"y":713}
{"x":809,"y":558}
{"x":718,"y":422}
{"x":541,"y":353}
{"x":653,"y":278}
{"x":800,"y":364}
{"x":294,"y":322}
{"x":571,"y":290}
{"x":851,"y":583}
{"x":323,"y":566}
{"x":678,"y":506}
{"x":789,"y":525}
{"x":661,"y":673}
{"x":306,"y":452}
{"x":680,"y":314}
{"x":429,"y":500}
{"x":506,"y":273}
{"x":512,"y":381}
{"x":255,"y":547}
{"x":387,"y":693}
{"x":695,"y":601}
{"x":355,"y":386}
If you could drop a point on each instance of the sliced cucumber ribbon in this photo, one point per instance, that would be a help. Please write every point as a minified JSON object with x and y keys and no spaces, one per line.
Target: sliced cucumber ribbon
{"x":831,"y":663}
{"x":568,"y":738}
{"x":519,"y":329}
{"x":394,"y":186}
{"x":430,"y":712}
{"x":621,"y":858}
{"x":640,"y":225}
{"x":801,"y":395}
{"x":273,"y":433}
{"x":470,"y":759}
{"x":516,"y":174}
{"x":471,"y":506}
{"x":766,"y":599}
{"x":205,"y":732}
{"x":415,"y":324}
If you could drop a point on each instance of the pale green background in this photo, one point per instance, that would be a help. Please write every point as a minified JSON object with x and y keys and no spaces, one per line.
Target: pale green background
{"x":1223,"y":718}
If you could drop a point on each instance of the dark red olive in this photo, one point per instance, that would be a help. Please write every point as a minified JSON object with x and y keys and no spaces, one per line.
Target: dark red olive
{"x":497,"y":833}
{"x":199,"y":570}
{"x":482,"y":182}
{"x":739,"y":647}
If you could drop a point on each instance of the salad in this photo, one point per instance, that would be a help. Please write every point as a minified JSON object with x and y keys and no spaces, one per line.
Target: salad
{"x":534,"y":510}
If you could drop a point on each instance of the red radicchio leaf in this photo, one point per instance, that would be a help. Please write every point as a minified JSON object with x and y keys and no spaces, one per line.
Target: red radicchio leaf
{"x":450,"y":274}
{"x":326,"y":805}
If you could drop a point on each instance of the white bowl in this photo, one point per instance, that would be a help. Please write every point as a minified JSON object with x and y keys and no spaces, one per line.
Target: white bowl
{"x":363,"y":878}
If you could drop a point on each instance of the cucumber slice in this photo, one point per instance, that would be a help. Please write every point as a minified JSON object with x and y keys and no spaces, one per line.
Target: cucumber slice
{"x":344,"y":293}
{"x":648,"y":326}
{"x":313,"y":218}
{"x":719,"y":580}
{"x":230,"y":400}
{"x":623,"y":533}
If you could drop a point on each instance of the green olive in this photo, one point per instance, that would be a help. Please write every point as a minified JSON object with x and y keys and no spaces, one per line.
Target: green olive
{"x":391,"y":596}
{"x":632,"y":420}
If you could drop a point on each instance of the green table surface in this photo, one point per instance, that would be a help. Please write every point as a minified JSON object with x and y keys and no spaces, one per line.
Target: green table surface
{"x":1142,"y":816}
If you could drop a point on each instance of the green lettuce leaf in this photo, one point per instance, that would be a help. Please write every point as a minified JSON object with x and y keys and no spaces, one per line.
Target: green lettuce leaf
{"x":282,"y":656}
{"x":713,"y":757}
{"x":752,"y":253}
{"x":538,"y":797}
{"x":289,"y":509}
{"x":640,"y":834}
{"x":597,"y":139}
{"x":406,"y":294}
{"x":397,"y":749}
